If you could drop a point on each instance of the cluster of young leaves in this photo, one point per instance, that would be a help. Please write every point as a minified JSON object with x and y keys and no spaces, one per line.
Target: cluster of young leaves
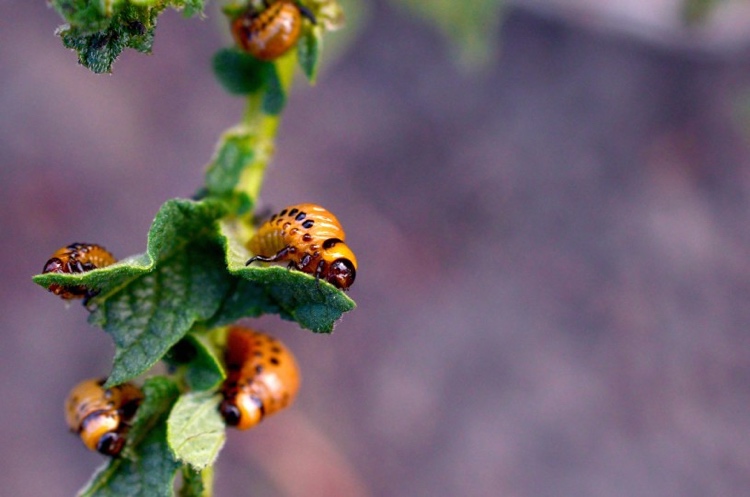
{"x":99,"y":30}
{"x":172,"y":302}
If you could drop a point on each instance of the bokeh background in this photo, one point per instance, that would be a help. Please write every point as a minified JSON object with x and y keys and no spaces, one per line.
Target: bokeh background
{"x":554,"y":295}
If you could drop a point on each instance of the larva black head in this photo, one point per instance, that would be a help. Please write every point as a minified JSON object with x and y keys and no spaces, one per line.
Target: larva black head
{"x":54,"y":265}
{"x":341,"y":273}
{"x":243,"y":410}
{"x":111,"y":444}
{"x":230,"y":412}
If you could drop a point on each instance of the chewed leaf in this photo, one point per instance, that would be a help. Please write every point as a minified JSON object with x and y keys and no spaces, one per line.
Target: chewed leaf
{"x":195,"y":429}
{"x":147,"y":468}
{"x":100,"y":31}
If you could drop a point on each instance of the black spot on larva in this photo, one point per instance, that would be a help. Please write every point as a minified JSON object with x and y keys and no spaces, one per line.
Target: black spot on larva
{"x":331,"y":242}
{"x":273,"y":217}
{"x":301,"y":216}
{"x":308,"y":224}
{"x":275,"y":361}
{"x":293,"y":211}
{"x":259,"y":369}
{"x":307,"y":237}
{"x":276,"y":350}
{"x":283,"y":213}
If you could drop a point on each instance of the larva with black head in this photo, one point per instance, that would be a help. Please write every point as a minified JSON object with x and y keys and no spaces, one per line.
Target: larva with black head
{"x":101,"y":416}
{"x":77,"y":258}
{"x":269,"y":33}
{"x":262,"y":378}
{"x":309,"y":238}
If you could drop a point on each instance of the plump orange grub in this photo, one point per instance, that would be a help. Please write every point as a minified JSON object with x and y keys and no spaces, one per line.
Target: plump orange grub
{"x":77,"y":258}
{"x":101,"y":416}
{"x":271,"y":32}
{"x":263,"y":378}
{"x":309,"y":238}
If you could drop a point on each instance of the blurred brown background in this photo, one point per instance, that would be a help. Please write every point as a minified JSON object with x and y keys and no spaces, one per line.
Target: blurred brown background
{"x":554,"y":295}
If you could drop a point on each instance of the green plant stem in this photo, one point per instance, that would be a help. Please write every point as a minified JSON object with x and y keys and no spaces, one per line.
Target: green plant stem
{"x":208,"y":481}
{"x":263,"y":128}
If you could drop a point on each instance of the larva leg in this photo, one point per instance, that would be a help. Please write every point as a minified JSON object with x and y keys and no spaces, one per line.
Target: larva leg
{"x":281,"y":254}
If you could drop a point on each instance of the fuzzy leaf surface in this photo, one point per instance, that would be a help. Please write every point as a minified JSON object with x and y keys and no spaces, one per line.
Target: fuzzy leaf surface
{"x":100,"y":30}
{"x":148,"y":303}
{"x":193,"y":274}
{"x":195,"y":429}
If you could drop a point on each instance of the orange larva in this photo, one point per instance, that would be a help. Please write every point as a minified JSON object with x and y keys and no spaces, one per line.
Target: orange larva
{"x":101,"y":416}
{"x":77,"y":258}
{"x":262,"y":379}
{"x":269,"y":33}
{"x":311,"y":240}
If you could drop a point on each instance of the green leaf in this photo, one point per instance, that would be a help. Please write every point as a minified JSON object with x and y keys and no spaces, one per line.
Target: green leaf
{"x":156,"y":310}
{"x":235,"y":151}
{"x":238,"y":72}
{"x":274,"y":98}
{"x":193,"y":7}
{"x":147,"y":467}
{"x":308,"y":53}
{"x":196,"y":430}
{"x":197,"y":359}
{"x":160,"y":394}
{"x":100,"y":30}
{"x":206,"y":370}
